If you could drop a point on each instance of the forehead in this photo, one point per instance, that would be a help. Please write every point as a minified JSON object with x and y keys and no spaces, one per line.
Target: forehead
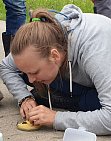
{"x":29,"y":60}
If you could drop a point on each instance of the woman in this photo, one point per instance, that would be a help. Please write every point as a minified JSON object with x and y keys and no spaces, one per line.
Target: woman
{"x":70,"y":51}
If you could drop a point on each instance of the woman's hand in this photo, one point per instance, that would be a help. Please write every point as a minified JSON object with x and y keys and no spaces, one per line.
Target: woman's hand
{"x":41,"y":115}
{"x":26,"y":106}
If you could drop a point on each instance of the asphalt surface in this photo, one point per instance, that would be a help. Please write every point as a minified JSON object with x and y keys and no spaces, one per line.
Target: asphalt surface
{"x":9,"y":116}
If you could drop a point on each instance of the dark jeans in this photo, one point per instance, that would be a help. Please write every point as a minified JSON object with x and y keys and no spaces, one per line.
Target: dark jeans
{"x":83,"y":98}
{"x":87,"y":98}
{"x":103,"y":7}
{"x":15,"y":15}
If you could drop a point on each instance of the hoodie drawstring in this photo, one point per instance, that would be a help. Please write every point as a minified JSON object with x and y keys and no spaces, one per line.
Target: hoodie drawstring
{"x":49,"y":98}
{"x":70,"y":75}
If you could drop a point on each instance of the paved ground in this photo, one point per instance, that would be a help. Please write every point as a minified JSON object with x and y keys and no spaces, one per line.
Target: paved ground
{"x":9,"y":116}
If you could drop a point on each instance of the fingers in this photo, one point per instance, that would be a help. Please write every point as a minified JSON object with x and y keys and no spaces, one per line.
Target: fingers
{"x":41,"y":115}
{"x":38,"y":115}
{"x":26,"y":107}
{"x":26,"y":111}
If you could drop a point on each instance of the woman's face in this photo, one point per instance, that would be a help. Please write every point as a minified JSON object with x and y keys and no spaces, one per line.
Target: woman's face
{"x":37,"y":68}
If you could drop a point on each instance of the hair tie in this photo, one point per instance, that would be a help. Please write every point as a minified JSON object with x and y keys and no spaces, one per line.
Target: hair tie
{"x":36,"y":19}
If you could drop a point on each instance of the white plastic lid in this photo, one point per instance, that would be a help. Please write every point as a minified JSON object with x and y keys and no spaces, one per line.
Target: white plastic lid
{"x":1,"y":137}
{"x":72,"y":134}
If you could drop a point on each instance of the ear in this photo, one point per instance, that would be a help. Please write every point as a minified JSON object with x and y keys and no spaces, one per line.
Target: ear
{"x":55,"y":56}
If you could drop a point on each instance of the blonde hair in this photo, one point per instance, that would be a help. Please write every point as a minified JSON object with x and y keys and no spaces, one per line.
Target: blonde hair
{"x":43,"y":35}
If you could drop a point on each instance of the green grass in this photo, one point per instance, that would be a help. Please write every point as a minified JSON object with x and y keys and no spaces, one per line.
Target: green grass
{"x":85,"y":5}
{"x":2,"y":10}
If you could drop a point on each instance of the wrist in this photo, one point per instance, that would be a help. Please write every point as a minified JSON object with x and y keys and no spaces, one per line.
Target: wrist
{"x":25,"y":99}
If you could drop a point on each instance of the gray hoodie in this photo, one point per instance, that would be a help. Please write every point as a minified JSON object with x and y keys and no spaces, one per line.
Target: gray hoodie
{"x":89,"y":50}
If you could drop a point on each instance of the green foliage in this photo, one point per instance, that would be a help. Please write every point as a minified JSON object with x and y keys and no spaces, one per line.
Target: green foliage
{"x":85,"y":5}
{"x":2,"y":10}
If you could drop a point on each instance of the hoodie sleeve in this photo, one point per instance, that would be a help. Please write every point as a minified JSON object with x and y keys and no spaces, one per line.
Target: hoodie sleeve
{"x":10,"y":76}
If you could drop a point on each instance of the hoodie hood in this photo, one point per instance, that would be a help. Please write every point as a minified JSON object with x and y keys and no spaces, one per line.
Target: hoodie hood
{"x":71,"y":17}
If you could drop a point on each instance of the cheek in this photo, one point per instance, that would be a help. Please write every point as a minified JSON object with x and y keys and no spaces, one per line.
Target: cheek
{"x":53,"y":71}
{"x":48,"y":72}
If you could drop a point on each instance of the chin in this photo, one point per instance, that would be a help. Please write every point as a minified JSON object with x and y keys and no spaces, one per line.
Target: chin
{"x":48,"y":82}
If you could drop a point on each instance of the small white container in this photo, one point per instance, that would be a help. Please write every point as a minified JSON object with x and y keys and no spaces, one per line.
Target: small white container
{"x":1,"y":137}
{"x":80,"y":134}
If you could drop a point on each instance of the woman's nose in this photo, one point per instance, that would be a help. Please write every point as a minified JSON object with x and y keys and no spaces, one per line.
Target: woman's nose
{"x":31,"y":78}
